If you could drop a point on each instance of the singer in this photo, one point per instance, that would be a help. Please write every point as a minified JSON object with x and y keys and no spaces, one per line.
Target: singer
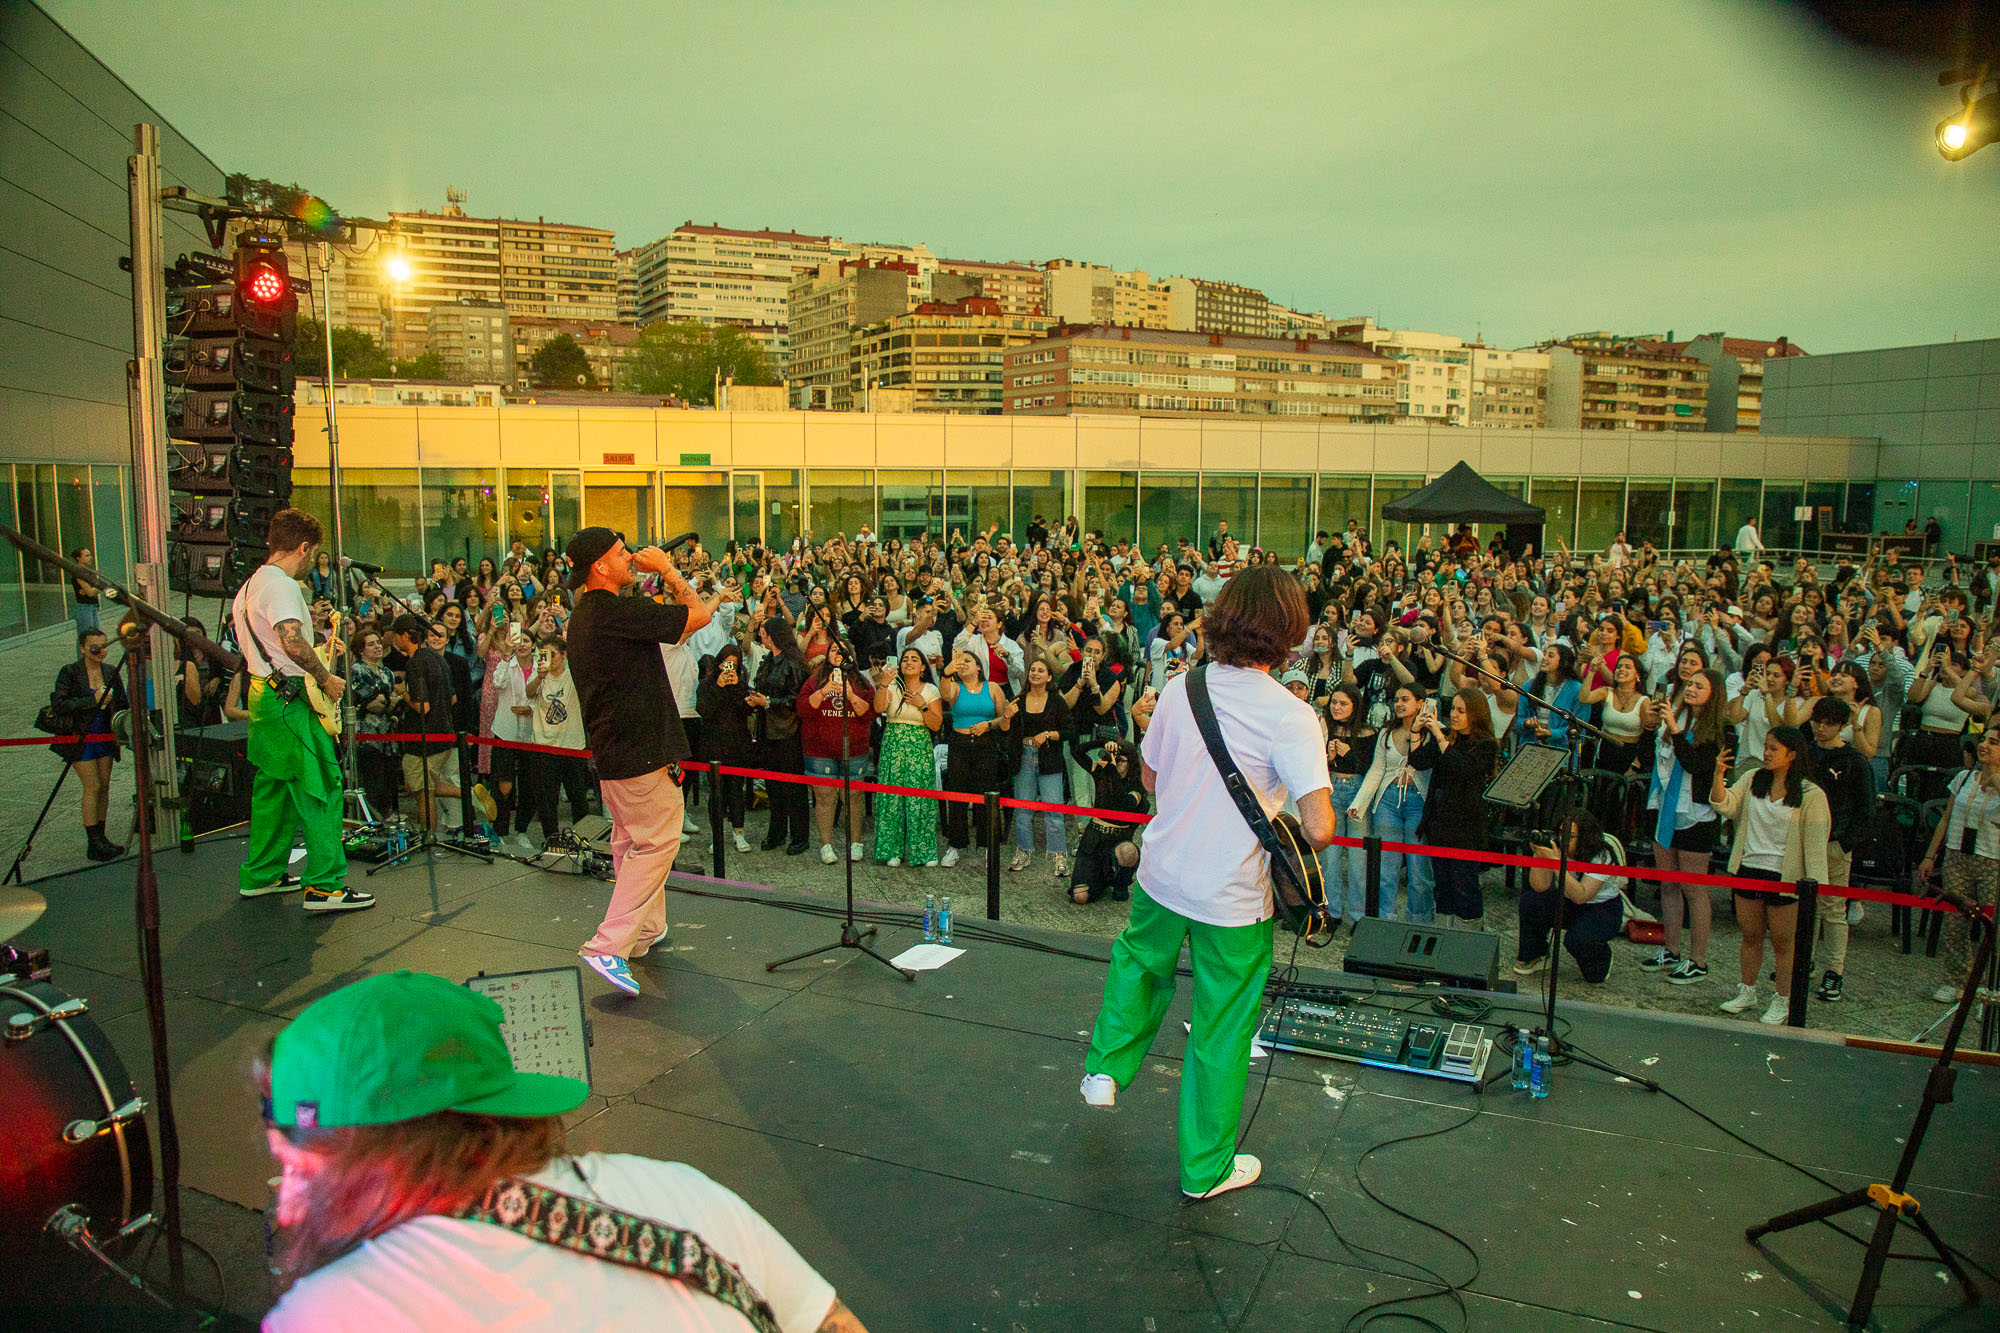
{"x":634,"y":730}
{"x":298,"y":777}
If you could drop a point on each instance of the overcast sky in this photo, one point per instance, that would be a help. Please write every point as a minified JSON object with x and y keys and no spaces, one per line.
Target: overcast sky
{"x":1519,"y":169}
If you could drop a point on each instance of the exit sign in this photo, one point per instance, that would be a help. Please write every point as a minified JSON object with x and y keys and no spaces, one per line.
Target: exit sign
{"x":620,"y":460}
{"x":694,"y":460}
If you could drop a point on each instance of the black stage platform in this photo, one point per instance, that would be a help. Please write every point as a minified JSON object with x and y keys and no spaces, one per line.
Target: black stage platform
{"x":924,"y":1144}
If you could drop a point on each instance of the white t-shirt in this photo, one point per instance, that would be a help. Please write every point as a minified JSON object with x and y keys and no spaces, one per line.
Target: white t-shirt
{"x":510,"y":687}
{"x":683,"y":674}
{"x":905,"y":707}
{"x":439,"y":1274}
{"x":1765,"y":828}
{"x":269,"y":597}
{"x":1200,"y":859}
{"x":559,"y":712}
{"x":1607,"y":885}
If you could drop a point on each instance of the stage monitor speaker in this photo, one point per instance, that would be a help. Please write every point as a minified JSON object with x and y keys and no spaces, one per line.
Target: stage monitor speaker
{"x":216,"y":775}
{"x":1401,"y":951}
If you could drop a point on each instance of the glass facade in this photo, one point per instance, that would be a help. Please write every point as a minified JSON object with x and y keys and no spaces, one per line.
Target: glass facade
{"x":1388,"y":490}
{"x":1342,"y":498}
{"x":975,"y":502}
{"x":1600,"y":512}
{"x":1557,"y":498}
{"x":1111,"y":504}
{"x":13,"y":602}
{"x":1694,"y":515}
{"x":461,"y":515}
{"x":781,"y":507}
{"x":1739,"y":500}
{"x":1985,"y":525}
{"x":1227,"y":498}
{"x":843,"y":502}
{"x":527,"y":511}
{"x":1284,"y":514}
{"x":1040,"y":493}
{"x":1647,"y":504}
{"x":64,"y":506}
{"x":1779,"y":526}
{"x":695,"y":502}
{"x":1167,"y":509}
{"x":621,"y":501}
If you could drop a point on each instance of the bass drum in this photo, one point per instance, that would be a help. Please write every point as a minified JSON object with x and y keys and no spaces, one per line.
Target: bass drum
{"x":64,"y":1071}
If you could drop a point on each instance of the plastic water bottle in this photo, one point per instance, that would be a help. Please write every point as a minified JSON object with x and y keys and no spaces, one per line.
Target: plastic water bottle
{"x":930,"y":917}
{"x":944,"y":920}
{"x":1538,"y":1077}
{"x":1524,"y":1057}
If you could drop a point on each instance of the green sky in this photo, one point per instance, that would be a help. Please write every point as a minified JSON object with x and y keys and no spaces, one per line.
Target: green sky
{"x":1520,"y":169}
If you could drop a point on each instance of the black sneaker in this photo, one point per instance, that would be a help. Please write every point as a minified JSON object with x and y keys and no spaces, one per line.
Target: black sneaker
{"x":1687,"y":974}
{"x":287,"y":883}
{"x":1661,"y":959}
{"x":338,"y":900}
{"x":1829,"y":987}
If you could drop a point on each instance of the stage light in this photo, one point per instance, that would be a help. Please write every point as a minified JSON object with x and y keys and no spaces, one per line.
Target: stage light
{"x":264,"y":284}
{"x":1977,"y":125}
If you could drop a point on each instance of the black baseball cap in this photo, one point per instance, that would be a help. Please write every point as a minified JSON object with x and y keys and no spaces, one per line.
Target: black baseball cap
{"x":586,"y":549}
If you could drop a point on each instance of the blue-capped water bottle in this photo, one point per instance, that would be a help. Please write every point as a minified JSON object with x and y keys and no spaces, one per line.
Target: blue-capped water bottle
{"x":1538,"y":1077}
{"x":930,"y":916}
{"x":944,"y":920}
{"x":1524,"y":1057}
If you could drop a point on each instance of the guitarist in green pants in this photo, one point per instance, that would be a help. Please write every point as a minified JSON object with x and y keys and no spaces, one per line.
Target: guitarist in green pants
{"x":298,"y":782}
{"x":1204,"y":878}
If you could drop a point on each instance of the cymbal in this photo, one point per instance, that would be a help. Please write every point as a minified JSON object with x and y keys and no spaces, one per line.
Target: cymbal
{"x":19,"y":909}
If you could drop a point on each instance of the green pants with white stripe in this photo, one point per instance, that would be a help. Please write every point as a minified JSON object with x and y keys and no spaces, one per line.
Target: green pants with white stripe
{"x":1230,"y":965}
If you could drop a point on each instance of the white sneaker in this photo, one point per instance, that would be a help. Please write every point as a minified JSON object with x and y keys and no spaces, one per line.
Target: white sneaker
{"x":1946,"y":994}
{"x":742,"y":843}
{"x":1745,"y":998}
{"x":1532,"y":966}
{"x":1856,"y":910}
{"x":931,"y":864}
{"x":826,"y":853}
{"x":688,"y":826}
{"x":1062,"y":866}
{"x":1099,"y":1090}
{"x":950,"y":858}
{"x":893,"y":861}
{"x":1778,"y":1011}
{"x":1020,"y":861}
{"x":855,"y":851}
{"x":1245,"y":1172}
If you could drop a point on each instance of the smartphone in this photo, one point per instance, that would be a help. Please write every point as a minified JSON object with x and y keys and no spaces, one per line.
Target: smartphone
{"x":1656,"y":626}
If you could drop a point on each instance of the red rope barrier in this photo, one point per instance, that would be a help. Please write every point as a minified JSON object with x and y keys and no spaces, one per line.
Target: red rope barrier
{"x":1636,"y":872}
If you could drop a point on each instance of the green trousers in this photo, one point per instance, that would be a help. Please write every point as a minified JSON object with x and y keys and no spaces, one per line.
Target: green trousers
{"x":1230,"y":965}
{"x":297,"y":786}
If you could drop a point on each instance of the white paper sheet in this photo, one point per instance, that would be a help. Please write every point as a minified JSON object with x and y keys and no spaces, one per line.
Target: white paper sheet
{"x":925,"y":957}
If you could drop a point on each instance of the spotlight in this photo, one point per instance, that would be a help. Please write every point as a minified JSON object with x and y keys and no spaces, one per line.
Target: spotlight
{"x":1962,"y":135}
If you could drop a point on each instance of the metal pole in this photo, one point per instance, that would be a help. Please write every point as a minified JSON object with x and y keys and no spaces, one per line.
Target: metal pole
{"x":349,"y":722}
{"x":149,"y":437}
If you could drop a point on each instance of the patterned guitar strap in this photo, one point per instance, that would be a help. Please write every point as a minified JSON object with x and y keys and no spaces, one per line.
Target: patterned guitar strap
{"x":589,"y":1228}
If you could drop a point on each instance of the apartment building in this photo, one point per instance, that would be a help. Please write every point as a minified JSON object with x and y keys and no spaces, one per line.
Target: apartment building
{"x":1607,"y":381}
{"x":1017,"y":287}
{"x":1104,"y":369}
{"x":723,"y":275}
{"x":1736,"y":377}
{"x":1509,"y":387}
{"x":541,"y":268}
{"x":826,"y":304}
{"x":951,"y":355}
{"x":1227,"y":307}
{"x":1288,"y":323}
{"x":1435,"y":387}
{"x":474,"y":339}
{"x":628,"y":287}
{"x":1075,"y":292}
{"x":607,"y":345}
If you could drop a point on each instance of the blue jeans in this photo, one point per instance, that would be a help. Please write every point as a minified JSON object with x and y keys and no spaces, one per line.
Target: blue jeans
{"x":1030,"y":784}
{"x":1397,"y":813}
{"x":1346,"y":884}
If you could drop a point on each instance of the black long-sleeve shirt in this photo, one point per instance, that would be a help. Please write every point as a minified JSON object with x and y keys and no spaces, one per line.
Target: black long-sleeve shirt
{"x":1455,"y":812}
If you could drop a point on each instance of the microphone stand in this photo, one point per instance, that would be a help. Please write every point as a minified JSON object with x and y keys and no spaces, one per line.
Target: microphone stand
{"x":1567,"y":780}
{"x":146,"y":891}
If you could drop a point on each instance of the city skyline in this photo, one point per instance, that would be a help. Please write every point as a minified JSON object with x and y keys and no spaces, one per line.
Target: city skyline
{"x":1697,"y":168}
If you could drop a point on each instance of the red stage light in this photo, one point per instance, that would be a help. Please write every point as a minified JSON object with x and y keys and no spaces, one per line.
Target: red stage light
{"x":264,"y":284}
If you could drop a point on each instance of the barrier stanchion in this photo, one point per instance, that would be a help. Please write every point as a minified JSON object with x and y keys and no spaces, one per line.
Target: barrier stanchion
{"x":715,"y":818}
{"x":1371,"y":862}
{"x":1802,"y":952}
{"x":992,"y":856}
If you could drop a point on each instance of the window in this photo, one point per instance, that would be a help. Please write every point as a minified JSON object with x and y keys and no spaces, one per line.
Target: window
{"x":1111,"y":504}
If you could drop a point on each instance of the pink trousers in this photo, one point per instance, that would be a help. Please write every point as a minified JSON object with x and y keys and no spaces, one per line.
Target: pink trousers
{"x":646,"y":816}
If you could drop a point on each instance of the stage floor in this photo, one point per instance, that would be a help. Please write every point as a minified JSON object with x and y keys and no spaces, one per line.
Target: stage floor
{"x":923,"y":1144}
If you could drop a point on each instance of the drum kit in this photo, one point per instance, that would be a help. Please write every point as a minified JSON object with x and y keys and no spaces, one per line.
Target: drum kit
{"x":75,"y":1163}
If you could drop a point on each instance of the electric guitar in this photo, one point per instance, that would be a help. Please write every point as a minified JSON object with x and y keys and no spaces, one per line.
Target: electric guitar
{"x":328,"y":710}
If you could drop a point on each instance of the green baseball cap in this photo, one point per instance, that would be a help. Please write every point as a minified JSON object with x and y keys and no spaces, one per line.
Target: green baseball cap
{"x":400,"y":1046}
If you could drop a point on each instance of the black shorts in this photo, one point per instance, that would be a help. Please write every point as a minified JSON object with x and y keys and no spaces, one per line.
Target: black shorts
{"x":1696,"y":838}
{"x":1768,"y":897}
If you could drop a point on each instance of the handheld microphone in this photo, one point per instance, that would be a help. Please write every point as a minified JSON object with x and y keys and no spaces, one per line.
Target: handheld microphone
{"x":349,"y":562}
{"x":680,"y":541}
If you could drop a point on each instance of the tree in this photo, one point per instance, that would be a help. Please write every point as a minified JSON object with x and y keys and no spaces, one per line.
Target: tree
{"x":356,"y":355}
{"x":266,"y":196}
{"x":560,"y":363}
{"x":682,"y":359}
{"x":429,"y":366}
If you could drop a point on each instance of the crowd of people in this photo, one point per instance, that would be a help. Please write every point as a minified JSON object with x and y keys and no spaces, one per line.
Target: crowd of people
{"x":1735,"y":710}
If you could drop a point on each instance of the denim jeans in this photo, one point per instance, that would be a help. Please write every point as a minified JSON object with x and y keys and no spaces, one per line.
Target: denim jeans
{"x":1396,"y":815}
{"x":1031,"y":784}
{"x":1346,"y":884}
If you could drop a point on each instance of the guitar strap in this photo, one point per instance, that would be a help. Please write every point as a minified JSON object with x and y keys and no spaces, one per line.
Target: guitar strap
{"x":1236,"y":784}
{"x":583,"y":1226}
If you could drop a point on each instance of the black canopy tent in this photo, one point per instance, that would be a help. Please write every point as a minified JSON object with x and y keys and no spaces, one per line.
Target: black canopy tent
{"x":1463,"y":496}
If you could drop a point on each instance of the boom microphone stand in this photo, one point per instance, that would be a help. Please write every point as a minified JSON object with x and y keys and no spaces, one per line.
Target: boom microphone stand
{"x":850,"y":938}
{"x":146,"y":891}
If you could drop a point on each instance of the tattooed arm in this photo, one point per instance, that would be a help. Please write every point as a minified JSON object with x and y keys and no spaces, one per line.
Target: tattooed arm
{"x":291,"y":638}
